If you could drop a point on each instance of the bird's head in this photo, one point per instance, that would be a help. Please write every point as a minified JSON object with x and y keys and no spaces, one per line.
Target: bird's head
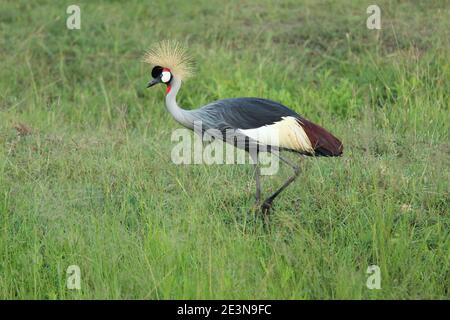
{"x":170,"y":61}
{"x":160,"y":75}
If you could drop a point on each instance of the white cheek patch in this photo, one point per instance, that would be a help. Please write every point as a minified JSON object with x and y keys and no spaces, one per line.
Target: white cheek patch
{"x":165,"y":76}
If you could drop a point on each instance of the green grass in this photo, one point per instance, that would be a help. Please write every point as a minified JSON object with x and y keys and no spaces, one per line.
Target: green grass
{"x":89,"y":180}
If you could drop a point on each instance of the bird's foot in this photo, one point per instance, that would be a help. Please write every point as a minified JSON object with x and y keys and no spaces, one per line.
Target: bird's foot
{"x":266,"y":206}
{"x":255,"y":208}
{"x":265,"y":210}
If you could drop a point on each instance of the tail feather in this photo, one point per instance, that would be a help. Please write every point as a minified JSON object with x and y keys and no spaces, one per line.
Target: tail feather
{"x":323,"y":142}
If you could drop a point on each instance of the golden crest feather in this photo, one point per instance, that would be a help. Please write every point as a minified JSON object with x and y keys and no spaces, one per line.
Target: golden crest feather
{"x":171,"y":54}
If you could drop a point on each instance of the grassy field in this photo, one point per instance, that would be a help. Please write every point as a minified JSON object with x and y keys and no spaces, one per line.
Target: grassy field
{"x":86,"y":176}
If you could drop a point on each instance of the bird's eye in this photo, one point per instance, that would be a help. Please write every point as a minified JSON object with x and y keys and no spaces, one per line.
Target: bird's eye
{"x":165,"y":76}
{"x":156,"y":71}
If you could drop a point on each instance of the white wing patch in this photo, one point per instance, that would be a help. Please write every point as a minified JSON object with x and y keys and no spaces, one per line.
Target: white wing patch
{"x":286,"y":133}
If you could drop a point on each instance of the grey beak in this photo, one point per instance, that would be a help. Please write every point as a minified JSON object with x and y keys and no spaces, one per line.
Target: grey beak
{"x":153,"y":82}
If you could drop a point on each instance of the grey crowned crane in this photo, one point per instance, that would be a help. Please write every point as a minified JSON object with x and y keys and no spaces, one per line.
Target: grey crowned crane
{"x":255,"y":119}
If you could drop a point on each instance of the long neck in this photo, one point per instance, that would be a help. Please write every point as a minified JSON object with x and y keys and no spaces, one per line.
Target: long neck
{"x":180,"y":115}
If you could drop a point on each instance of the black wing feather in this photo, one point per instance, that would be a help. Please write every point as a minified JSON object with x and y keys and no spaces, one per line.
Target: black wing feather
{"x":248,"y":113}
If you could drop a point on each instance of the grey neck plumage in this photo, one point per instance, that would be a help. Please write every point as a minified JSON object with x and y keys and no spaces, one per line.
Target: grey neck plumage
{"x":184,"y":117}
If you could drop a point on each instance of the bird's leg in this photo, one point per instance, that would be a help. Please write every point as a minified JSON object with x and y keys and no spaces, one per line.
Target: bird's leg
{"x":258,"y":183}
{"x":268,"y":202}
{"x":255,"y":159}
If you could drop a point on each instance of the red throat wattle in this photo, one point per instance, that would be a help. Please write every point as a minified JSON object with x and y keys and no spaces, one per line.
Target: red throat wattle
{"x":168,"y":85}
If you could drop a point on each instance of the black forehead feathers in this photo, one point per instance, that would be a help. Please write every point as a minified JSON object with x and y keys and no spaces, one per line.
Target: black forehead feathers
{"x":156,"y":71}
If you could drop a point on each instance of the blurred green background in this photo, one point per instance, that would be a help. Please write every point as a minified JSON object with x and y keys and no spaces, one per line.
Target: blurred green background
{"x":86,"y":177}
